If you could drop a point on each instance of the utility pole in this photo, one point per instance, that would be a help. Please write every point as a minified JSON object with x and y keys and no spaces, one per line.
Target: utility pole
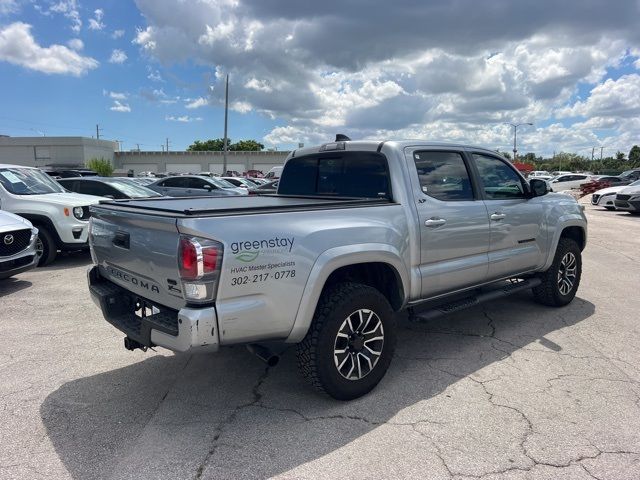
{"x":138,"y":147}
{"x":601,"y":148}
{"x":225,"y":145}
{"x":167,"y":143}
{"x":162,"y":146}
{"x":593,"y":150}
{"x":515,"y":137}
{"x":98,"y":131}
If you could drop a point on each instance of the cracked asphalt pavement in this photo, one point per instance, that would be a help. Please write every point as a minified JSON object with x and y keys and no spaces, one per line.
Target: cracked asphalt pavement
{"x":508,"y":390}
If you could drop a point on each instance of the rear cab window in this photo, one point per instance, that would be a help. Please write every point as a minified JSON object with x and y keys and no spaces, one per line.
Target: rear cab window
{"x":443,"y":175}
{"x":337,"y":174}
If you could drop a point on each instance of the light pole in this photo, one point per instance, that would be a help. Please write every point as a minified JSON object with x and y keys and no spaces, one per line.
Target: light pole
{"x":515,"y":137}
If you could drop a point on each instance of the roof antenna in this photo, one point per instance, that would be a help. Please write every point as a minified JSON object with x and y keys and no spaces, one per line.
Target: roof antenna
{"x":342,"y":138}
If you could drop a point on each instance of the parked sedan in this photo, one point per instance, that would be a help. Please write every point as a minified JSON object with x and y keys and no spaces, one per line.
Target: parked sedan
{"x":628,"y":199}
{"x":607,"y":196}
{"x":268,"y":188}
{"x":567,"y":182}
{"x":18,"y":250}
{"x":194,"y":186}
{"x":110,"y":187}
{"x":240,"y":182}
{"x":612,"y":180}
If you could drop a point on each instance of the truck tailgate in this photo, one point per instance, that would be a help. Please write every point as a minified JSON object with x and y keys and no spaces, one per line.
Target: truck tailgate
{"x":139,"y":253}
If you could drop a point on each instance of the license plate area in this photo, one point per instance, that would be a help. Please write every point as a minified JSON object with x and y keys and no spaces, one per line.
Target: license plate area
{"x":143,"y":308}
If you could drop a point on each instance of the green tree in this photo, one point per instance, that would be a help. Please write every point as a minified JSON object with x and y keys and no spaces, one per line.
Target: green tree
{"x":528,"y":158}
{"x":215,"y":145}
{"x":246,"y":146}
{"x":634,"y":154}
{"x":619,"y":155}
{"x":102,"y":167}
{"x":506,"y":155}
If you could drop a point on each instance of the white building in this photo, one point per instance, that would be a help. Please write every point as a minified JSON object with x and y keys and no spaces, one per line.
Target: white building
{"x":42,"y":151}
{"x":76,"y":151}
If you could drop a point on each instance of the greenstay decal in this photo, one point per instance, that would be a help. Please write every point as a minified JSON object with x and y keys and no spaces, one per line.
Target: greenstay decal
{"x":247,"y":256}
{"x":249,"y":250}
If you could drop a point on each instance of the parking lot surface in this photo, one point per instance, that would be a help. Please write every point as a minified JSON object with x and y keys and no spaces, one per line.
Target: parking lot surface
{"x":507,"y":390}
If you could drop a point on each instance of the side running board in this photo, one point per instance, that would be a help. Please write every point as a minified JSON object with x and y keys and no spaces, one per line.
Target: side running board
{"x":476,"y":299}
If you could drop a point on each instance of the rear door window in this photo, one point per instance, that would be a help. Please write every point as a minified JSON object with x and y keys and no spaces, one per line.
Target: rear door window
{"x":443,"y":175}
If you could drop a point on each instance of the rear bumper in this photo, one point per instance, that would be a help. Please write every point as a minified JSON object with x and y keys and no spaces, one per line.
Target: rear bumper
{"x":189,"y":329}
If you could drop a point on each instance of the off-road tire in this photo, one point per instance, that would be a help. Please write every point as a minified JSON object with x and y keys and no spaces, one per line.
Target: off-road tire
{"x":316,"y":351}
{"x":49,"y":247}
{"x":548,"y":292}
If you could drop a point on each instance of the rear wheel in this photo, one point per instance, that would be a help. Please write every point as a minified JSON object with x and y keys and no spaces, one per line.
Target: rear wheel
{"x":46,"y":247}
{"x":350,"y":343}
{"x":610,"y":208}
{"x":560,"y":282}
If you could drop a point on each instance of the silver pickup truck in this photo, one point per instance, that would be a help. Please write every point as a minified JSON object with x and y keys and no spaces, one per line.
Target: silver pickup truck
{"x":357,"y":232}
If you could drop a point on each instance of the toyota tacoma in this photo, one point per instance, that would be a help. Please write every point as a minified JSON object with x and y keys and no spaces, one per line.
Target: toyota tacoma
{"x":356,"y":232}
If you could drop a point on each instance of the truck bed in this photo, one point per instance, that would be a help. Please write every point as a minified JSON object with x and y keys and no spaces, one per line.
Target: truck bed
{"x":240,"y":205}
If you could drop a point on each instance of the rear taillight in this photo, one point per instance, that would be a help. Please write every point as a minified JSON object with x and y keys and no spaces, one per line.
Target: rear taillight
{"x":199,"y":262}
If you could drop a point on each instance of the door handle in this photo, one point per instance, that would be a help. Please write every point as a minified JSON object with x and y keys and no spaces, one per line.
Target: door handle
{"x":435,"y":222}
{"x":497,"y":216}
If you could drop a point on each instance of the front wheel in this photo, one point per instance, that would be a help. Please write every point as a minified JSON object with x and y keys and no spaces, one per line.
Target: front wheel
{"x":350,"y":343}
{"x":560,"y":282}
{"x":45,"y":247}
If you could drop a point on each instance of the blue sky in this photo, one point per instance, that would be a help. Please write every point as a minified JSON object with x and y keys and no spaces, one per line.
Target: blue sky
{"x":152,"y":69}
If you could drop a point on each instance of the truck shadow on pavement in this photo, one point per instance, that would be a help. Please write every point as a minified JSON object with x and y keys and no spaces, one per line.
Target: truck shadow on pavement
{"x":66,"y":260}
{"x":229,"y":416}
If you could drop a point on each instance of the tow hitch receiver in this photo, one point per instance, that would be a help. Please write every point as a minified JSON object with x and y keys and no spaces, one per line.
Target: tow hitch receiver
{"x":131,"y":344}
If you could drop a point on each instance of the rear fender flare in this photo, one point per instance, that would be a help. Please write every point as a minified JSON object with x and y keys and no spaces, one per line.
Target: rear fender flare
{"x":328,"y":262}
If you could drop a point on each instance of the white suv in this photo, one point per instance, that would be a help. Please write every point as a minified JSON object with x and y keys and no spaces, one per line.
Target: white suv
{"x":62,"y":218}
{"x":569,"y":181}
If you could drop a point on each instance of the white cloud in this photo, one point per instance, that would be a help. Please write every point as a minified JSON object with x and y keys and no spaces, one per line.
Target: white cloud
{"x":221,"y":31}
{"x":115,"y":95}
{"x":120,"y":107}
{"x":154,"y":75}
{"x":68,"y":8}
{"x":8,"y":6}
{"x":95,"y":23}
{"x":259,"y":85}
{"x":117,"y":34}
{"x":182,"y":119}
{"x":117,"y":56}
{"x":18,"y":46}
{"x":614,"y":98}
{"x":241,"y":107}
{"x":197,"y":103}
{"x":76,"y":44}
{"x":446,"y":81}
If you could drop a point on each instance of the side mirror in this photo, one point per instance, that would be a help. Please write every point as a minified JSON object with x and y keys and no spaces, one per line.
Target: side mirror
{"x":109,"y":196}
{"x":208,"y":187}
{"x":538,"y":187}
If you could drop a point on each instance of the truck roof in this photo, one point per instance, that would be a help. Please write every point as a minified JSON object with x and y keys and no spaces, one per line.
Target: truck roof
{"x":373,"y":145}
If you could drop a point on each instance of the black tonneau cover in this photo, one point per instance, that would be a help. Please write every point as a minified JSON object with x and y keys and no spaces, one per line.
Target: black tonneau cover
{"x":241,"y":205}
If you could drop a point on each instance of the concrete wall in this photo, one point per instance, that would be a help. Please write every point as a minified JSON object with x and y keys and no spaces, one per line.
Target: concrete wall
{"x":73,"y":151}
{"x":41,"y":151}
{"x":195,"y":162}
